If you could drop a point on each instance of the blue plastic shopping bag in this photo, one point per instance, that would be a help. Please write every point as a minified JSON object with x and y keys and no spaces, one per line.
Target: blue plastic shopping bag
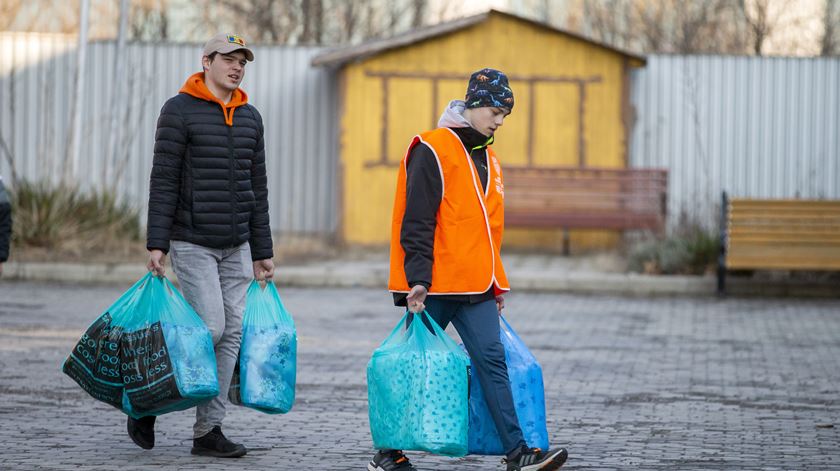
{"x":148,"y":354}
{"x":264,"y":377}
{"x":526,"y":384}
{"x":417,"y":390}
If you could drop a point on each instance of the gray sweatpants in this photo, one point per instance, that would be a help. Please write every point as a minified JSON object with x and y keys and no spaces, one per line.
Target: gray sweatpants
{"x":214,"y":282}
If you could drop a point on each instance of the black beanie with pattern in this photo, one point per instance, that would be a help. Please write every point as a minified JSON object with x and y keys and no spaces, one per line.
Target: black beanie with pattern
{"x":489,"y":87}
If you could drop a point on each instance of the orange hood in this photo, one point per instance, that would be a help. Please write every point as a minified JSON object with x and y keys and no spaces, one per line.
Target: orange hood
{"x":196,"y":87}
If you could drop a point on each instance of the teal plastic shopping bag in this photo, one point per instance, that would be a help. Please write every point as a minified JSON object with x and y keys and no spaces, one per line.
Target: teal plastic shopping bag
{"x":526,"y":384}
{"x":94,"y":362}
{"x":264,"y":377}
{"x":417,"y":390}
{"x":148,"y":354}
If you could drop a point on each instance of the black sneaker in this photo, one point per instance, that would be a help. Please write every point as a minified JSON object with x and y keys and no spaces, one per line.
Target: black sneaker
{"x":216,"y":444}
{"x":142,"y":431}
{"x":390,"y":460}
{"x":532,"y":459}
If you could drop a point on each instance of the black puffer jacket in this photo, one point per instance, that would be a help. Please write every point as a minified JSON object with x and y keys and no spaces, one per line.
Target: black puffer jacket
{"x":208,"y":183}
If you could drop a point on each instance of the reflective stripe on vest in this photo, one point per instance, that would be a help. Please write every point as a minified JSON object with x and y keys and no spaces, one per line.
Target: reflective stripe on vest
{"x":470,"y":223}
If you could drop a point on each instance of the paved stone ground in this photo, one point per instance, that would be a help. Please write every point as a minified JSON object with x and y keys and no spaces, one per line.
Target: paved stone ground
{"x":632,"y":383}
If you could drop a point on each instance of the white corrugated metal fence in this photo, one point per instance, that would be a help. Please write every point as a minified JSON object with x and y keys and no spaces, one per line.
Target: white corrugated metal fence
{"x":298,"y":104}
{"x":753,"y":126}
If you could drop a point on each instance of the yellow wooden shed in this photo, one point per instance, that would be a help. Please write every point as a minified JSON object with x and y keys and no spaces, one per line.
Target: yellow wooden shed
{"x":572,"y":109}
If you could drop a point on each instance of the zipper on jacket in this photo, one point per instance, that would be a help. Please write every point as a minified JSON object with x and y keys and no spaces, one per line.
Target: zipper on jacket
{"x":232,"y":185}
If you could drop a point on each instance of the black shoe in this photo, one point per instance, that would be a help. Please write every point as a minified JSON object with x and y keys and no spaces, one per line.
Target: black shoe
{"x":216,"y":444}
{"x":142,"y":431}
{"x":532,"y":459}
{"x":390,"y":460}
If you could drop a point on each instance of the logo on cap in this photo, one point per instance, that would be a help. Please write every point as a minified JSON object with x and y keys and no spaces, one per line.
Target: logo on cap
{"x":236,"y":40}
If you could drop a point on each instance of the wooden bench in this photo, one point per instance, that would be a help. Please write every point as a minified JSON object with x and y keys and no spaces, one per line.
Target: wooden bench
{"x":778,"y":235}
{"x":585,"y":198}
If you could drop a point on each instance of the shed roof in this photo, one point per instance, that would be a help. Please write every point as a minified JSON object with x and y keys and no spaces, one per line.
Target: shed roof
{"x":342,"y":55}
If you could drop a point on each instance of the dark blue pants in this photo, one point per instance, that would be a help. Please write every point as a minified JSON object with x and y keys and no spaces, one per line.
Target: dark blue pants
{"x":478,"y":326}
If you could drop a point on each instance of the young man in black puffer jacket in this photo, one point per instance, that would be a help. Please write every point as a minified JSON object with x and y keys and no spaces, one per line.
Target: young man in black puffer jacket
{"x":208,"y":208}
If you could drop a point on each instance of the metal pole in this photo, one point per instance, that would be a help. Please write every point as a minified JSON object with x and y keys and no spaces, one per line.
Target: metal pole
{"x":117,"y":101}
{"x":71,"y":166}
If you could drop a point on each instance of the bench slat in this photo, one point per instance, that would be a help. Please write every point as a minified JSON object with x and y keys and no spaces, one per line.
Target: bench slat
{"x":785,"y":231}
{"x":579,"y":204}
{"x":595,"y":187}
{"x":785,"y":239}
{"x":816,"y":263}
{"x":540,"y":198}
{"x":783,"y":234}
{"x":590,"y":198}
{"x":784,"y":215}
{"x":584,"y":221}
{"x":783,"y":257}
{"x":590,"y":172}
{"x":763,"y":204}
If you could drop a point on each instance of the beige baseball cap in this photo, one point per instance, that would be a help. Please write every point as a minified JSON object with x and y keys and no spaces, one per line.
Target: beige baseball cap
{"x":224,"y":43}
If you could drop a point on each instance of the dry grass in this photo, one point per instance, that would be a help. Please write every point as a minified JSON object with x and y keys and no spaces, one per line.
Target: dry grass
{"x":62,"y":223}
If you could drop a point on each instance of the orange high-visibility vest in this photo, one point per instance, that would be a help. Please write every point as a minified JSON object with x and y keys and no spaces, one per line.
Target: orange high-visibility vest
{"x":470,"y":221}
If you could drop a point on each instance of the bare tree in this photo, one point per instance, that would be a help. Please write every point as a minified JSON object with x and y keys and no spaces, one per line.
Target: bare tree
{"x":312,"y":22}
{"x":773,"y":21}
{"x":391,"y":16}
{"x":697,"y":24}
{"x":448,"y":10}
{"x":10,"y":13}
{"x":312,"y":18}
{"x":366,"y":19}
{"x":607,"y":20}
{"x":544,"y":11}
{"x":46,"y":16}
{"x":352,"y":13}
{"x":149,"y":19}
{"x":652,"y":26}
{"x":661,"y":26}
{"x":265,"y":21}
{"x":418,"y":12}
{"x":830,"y":40}
{"x":757,"y":17}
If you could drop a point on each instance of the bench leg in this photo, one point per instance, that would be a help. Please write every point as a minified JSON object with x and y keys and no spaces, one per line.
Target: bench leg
{"x":721,"y":280}
{"x":566,"y":242}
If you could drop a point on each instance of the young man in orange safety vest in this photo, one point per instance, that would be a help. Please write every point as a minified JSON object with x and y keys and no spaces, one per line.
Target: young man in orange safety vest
{"x":446,"y":236}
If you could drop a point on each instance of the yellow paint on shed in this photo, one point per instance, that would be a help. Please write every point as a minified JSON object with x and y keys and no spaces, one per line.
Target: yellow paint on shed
{"x":562,"y":84}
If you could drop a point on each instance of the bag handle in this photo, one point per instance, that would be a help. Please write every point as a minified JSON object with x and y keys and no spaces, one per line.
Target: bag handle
{"x":440,"y":335}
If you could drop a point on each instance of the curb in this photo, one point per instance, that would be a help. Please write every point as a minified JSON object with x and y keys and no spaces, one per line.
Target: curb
{"x":337,"y":274}
{"x":350,"y":275}
{"x":613,"y":283}
{"x":118,"y":273}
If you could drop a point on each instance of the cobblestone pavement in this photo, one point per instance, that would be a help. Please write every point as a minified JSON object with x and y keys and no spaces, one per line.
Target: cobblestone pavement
{"x":631,"y":383}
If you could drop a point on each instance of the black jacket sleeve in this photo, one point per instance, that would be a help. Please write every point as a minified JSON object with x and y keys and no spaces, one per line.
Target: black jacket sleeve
{"x":165,"y":181}
{"x":5,"y":224}
{"x":424,"y":191}
{"x":260,"y":241}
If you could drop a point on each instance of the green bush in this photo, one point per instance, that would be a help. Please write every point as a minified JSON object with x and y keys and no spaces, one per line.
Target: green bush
{"x":62,"y":218}
{"x":691,"y":250}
